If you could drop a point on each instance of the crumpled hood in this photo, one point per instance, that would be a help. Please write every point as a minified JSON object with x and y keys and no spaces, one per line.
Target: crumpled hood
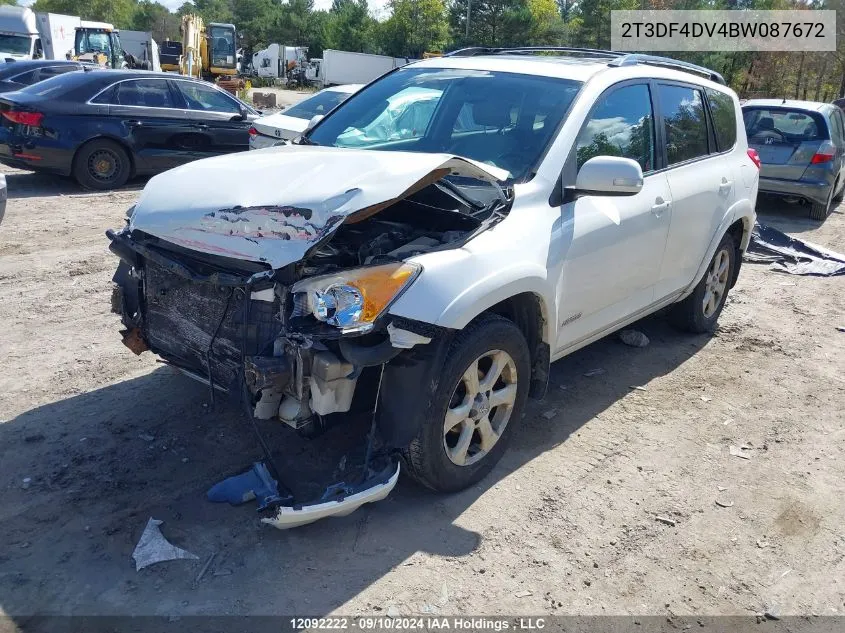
{"x":273,"y":205}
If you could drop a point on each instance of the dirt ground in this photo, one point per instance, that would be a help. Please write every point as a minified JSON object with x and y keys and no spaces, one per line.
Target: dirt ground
{"x":94,"y":441}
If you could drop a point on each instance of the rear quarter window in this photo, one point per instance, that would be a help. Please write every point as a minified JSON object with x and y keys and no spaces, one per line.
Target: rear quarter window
{"x":723,"y":112}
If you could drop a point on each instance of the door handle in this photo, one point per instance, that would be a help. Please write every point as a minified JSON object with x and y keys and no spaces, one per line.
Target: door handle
{"x":134,"y":124}
{"x":726,"y":184}
{"x":200,"y":126}
{"x":660,"y":205}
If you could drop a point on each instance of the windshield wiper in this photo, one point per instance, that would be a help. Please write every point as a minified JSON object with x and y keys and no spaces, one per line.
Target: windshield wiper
{"x":304,"y":140}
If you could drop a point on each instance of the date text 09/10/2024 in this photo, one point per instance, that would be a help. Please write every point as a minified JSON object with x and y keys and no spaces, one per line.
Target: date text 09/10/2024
{"x":387,"y":623}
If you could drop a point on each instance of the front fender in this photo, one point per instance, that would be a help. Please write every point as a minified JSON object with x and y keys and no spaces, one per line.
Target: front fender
{"x":456,"y":286}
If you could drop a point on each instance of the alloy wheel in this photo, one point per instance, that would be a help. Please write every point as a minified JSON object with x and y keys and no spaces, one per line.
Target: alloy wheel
{"x":480,"y":407}
{"x":716,"y":283}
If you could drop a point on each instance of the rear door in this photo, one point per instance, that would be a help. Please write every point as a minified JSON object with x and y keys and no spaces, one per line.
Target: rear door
{"x":785,"y":138}
{"x":216,"y":118}
{"x":157,"y":130}
{"x":701,"y":177}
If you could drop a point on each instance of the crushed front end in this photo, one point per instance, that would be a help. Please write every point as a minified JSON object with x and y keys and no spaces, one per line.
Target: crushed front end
{"x":299,"y":327}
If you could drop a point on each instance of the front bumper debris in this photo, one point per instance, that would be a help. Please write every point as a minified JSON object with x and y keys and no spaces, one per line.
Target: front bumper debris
{"x":375,"y":489}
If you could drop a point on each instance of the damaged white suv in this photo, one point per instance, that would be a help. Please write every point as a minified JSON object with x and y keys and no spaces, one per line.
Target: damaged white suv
{"x":523,"y":206}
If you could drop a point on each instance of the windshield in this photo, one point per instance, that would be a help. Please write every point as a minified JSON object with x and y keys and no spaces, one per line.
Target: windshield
{"x":222,"y":46}
{"x":502,"y":119}
{"x":92,"y":43}
{"x":15,"y":44}
{"x":320,"y":103}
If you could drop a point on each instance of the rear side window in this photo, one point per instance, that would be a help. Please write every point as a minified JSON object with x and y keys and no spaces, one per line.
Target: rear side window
{"x":724,"y":118}
{"x":150,"y":93}
{"x":783,"y":125}
{"x":685,"y":125}
{"x":621,"y":124}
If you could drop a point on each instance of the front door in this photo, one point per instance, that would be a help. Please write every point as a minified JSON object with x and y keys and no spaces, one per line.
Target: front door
{"x":216,"y":118}
{"x":613,"y":245}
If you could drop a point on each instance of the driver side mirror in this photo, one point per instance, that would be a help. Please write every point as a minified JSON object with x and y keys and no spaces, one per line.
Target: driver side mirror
{"x":609,"y":176}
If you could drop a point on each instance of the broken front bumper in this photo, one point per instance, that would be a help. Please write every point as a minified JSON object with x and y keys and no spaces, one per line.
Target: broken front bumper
{"x":227,"y":328}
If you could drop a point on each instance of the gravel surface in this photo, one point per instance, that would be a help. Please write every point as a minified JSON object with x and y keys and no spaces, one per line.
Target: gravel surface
{"x":620,"y":494}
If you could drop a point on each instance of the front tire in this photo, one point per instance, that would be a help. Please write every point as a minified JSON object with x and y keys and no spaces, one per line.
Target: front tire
{"x":478,"y":403}
{"x":101,"y":165}
{"x":700,"y":311}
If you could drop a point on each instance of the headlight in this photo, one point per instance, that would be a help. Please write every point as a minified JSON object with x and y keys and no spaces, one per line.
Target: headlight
{"x":352,"y":300}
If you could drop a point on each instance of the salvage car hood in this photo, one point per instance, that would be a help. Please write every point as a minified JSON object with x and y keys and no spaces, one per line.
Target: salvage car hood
{"x":273,"y":205}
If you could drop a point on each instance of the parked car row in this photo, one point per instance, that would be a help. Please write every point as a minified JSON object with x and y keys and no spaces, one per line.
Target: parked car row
{"x":103,"y":127}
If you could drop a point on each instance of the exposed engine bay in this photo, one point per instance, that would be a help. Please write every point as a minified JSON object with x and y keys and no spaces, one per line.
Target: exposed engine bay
{"x":293,"y":343}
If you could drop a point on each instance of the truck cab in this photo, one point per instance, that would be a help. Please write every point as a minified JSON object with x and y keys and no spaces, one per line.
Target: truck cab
{"x":19,"y":38}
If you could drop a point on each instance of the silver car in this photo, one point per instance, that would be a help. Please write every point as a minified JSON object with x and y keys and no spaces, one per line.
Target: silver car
{"x":801,"y":147}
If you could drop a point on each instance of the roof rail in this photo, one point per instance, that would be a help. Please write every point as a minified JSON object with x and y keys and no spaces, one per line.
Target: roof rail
{"x":617,"y":58}
{"x":482,"y":50}
{"x":667,"y":62}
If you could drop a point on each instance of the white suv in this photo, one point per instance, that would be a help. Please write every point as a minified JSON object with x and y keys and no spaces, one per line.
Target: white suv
{"x":537,"y":204}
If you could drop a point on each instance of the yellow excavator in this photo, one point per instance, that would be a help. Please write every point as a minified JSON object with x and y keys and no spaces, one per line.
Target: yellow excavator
{"x":210,"y":52}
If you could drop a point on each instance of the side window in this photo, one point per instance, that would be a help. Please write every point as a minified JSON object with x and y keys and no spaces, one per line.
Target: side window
{"x":724,"y":118}
{"x":106,"y":96}
{"x":151,"y":93}
{"x":684,"y":123}
{"x":621,"y":124}
{"x":206,"y":98}
{"x":26,"y":79}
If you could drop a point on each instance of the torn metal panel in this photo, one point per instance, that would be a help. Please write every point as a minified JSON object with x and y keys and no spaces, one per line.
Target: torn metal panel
{"x":298,"y":196}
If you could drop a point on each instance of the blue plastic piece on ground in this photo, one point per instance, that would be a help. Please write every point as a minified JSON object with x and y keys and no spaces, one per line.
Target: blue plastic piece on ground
{"x":256,"y":483}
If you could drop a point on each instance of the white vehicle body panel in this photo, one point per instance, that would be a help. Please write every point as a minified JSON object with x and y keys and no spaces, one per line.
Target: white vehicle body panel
{"x":276,"y":128}
{"x":300,"y":194}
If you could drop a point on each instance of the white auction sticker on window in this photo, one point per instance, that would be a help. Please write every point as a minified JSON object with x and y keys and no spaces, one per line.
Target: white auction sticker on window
{"x":658,"y":31}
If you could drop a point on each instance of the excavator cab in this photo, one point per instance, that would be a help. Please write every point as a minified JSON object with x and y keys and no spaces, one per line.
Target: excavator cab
{"x":222,"y":48}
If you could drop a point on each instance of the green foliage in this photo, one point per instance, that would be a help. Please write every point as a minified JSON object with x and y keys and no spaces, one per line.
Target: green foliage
{"x":414,"y":27}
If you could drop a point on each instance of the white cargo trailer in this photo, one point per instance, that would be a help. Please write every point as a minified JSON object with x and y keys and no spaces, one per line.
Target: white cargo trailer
{"x":57,"y":34}
{"x":343,"y":67}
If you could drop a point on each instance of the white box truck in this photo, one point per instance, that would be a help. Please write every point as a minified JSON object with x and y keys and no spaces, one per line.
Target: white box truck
{"x":28,"y":35}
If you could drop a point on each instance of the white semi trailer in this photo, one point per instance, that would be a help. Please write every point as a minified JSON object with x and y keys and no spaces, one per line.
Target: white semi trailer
{"x":343,"y":67}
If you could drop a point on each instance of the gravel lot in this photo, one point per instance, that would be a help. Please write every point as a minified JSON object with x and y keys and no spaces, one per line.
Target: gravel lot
{"x":94,"y":441}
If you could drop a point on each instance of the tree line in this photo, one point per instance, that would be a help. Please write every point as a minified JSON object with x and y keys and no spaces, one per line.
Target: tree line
{"x":414,"y":27}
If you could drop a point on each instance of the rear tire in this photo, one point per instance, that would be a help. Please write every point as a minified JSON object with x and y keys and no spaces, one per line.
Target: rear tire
{"x":466,"y":432}
{"x":101,"y":164}
{"x":700,"y":311}
{"x":821,"y":211}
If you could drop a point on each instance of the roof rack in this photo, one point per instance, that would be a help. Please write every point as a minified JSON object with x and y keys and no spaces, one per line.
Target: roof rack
{"x":667,"y":62}
{"x":617,"y":59}
{"x":483,"y":50}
